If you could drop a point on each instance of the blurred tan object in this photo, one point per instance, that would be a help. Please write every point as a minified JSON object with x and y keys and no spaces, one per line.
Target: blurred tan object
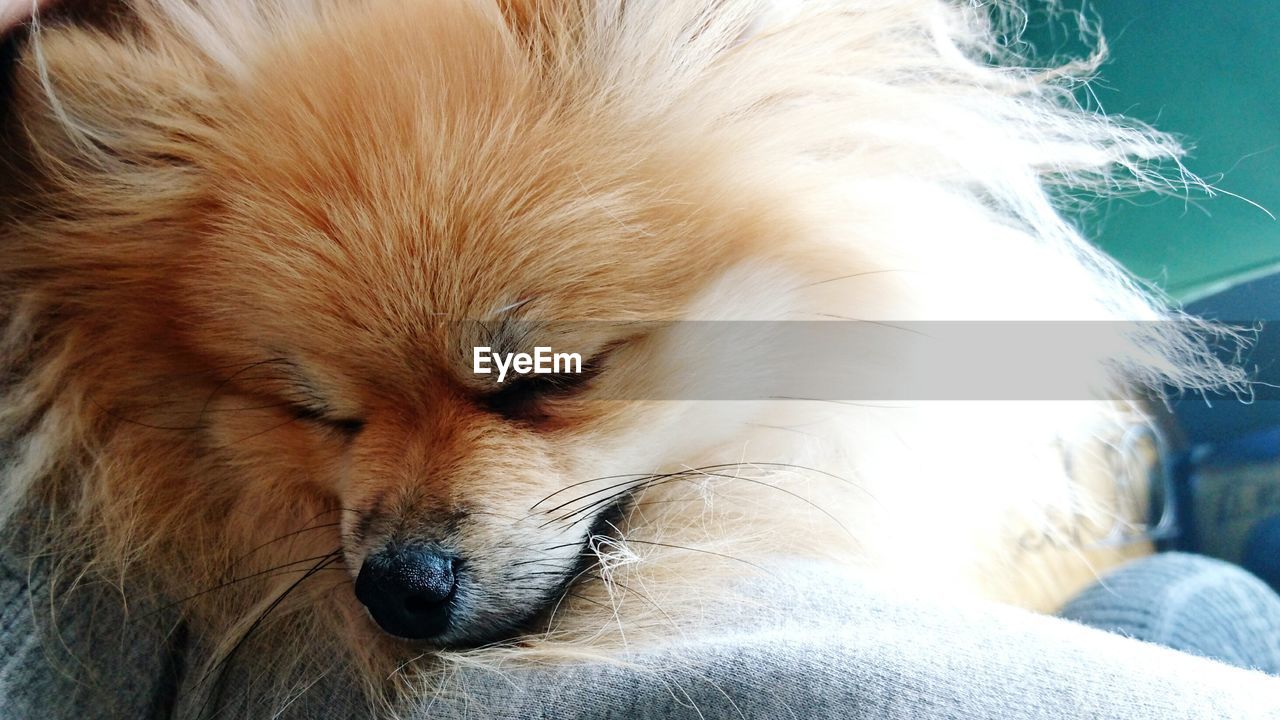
{"x":1106,"y":521}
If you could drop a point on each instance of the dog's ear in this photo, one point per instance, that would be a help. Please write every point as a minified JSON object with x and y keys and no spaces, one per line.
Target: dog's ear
{"x":105,"y":123}
{"x":106,"y":147}
{"x":85,"y":95}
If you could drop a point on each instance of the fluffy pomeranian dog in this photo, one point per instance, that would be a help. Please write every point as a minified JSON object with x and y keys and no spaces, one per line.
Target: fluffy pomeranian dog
{"x":249,"y":248}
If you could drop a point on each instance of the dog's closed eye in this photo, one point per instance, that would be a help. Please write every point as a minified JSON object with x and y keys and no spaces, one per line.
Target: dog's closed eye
{"x":522,"y":399}
{"x":347,"y":426}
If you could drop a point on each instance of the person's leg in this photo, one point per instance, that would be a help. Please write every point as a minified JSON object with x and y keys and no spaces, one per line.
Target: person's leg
{"x":1187,"y":602}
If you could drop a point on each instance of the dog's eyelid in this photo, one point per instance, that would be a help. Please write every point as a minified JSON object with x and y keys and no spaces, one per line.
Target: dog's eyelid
{"x":520,"y":397}
{"x":306,"y":404}
{"x":546,"y":384}
{"x":346,"y":425}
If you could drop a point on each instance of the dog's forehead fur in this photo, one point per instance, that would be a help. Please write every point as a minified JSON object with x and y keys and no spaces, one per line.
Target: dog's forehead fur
{"x":452,"y":184}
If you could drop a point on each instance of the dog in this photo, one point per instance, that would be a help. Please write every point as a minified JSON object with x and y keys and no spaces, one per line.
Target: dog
{"x":251,"y":250}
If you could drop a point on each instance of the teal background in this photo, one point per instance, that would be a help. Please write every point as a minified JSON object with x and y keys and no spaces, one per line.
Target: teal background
{"x":1208,"y":72}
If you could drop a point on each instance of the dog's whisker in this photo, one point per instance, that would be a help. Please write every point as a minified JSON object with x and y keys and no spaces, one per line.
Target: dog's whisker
{"x":230,"y":379}
{"x":286,"y":536}
{"x":853,"y":276}
{"x":269,"y":572}
{"x":585,"y":511}
{"x":581,"y":483}
{"x":697,"y":550}
{"x":710,"y":471}
{"x":538,"y":574}
{"x":225,"y":661}
{"x":560,"y":596}
{"x":260,"y":433}
{"x":785,"y":491}
{"x":627,"y":486}
{"x":845,"y":403}
{"x":561,"y":546}
{"x":532,"y":562}
{"x":658,"y":478}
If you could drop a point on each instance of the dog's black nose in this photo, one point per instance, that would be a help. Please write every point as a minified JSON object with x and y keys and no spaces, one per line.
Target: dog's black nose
{"x":408,"y":589}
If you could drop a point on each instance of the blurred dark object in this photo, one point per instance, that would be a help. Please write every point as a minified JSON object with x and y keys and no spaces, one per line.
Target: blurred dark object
{"x":1226,"y":482}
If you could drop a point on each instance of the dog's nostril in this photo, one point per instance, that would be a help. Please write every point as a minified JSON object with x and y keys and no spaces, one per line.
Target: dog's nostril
{"x":408,"y":589}
{"x":424,"y":576}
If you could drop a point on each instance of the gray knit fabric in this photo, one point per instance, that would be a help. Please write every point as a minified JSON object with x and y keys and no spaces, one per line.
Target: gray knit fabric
{"x":79,"y":658}
{"x":834,"y":648}
{"x":1191,"y":603}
